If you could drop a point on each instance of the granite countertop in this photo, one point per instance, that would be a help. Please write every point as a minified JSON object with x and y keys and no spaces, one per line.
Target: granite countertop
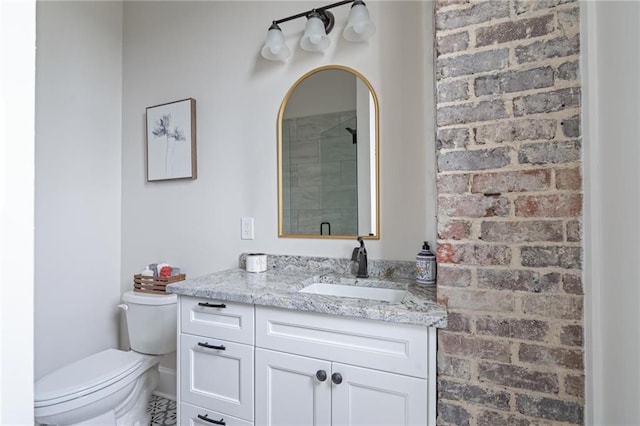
{"x":279,"y":287}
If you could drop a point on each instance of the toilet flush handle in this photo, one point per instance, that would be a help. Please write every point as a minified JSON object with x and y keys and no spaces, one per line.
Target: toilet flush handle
{"x":124,"y":307}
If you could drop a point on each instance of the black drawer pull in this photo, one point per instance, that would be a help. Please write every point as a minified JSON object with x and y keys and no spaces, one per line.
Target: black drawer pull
{"x":212,"y":305}
{"x":215,"y":422}
{"x":208,"y":346}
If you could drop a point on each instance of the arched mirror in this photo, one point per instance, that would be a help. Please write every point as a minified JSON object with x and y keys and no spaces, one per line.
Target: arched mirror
{"x":328,"y":157}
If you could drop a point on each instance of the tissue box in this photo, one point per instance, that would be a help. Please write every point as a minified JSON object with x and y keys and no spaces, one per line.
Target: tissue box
{"x":157,"y":285}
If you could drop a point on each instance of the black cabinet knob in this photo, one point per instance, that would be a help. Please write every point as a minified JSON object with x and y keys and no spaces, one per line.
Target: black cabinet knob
{"x":336,"y":378}
{"x":321,"y":375}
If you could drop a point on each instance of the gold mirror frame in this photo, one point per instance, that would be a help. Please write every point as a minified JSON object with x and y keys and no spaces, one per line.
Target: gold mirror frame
{"x":376,"y":114}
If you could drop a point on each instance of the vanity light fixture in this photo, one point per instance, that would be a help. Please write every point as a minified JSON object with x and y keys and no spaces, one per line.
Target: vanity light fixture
{"x":320,"y":22}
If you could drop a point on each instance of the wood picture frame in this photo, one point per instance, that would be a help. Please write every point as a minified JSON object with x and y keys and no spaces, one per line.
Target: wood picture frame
{"x":171,"y":141}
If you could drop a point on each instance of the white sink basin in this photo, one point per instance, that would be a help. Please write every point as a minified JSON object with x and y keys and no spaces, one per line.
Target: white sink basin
{"x":359,"y":292}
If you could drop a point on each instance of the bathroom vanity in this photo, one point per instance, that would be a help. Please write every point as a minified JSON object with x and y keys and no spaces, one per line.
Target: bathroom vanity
{"x":255,"y":349}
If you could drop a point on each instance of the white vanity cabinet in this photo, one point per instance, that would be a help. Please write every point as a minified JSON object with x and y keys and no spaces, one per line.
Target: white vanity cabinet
{"x":287,"y":367}
{"x":216,"y":359}
{"x":318,"y":369}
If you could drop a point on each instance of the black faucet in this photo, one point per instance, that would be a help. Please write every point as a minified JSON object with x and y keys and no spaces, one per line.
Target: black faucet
{"x":360,"y":256}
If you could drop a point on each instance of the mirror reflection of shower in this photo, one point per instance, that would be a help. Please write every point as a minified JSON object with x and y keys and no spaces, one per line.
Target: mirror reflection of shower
{"x":354,"y":134}
{"x":328,"y":162}
{"x":339,"y":169}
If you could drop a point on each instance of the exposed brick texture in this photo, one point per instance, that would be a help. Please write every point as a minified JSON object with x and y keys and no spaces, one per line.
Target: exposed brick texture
{"x":454,"y":277}
{"x":458,"y":322}
{"x":553,"y":307}
{"x":454,"y":230}
{"x":452,"y":42}
{"x":518,"y":280}
{"x":474,"y":160}
{"x":470,"y":14}
{"x":540,"y":50}
{"x":554,"y":205}
{"x":453,"y":184}
{"x":452,"y":138}
{"x":477,"y":254}
{"x":550,"y":409}
{"x":546,"y":102}
{"x":571,"y":335}
{"x":496,"y":399}
{"x":462,"y":65}
{"x":514,"y":30}
{"x":514,"y":81}
{"x":574,"y":385}
{"x":477,"y":300}
{"x":473,"y":346}
{"x":459,"y":368}
{"x":474,"y":206}
{"x":516,"y":181}
{"x":517,"y":130}
{"x":549,"y":152}
{"x":513,"y":328}
{"x":518,"y":232}
{"x":515,"y":376}
{"x":509,"y":183}
{"x":454,"y":91}
{"x":568,"y":178}
{"x":554,"y":357}
{"x":492,"y":418}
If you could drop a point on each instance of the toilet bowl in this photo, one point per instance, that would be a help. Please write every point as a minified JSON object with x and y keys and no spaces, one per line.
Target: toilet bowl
{"x":113,"y":387}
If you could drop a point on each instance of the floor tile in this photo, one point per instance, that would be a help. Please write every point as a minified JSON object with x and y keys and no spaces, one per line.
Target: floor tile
{"x":163,"y":411}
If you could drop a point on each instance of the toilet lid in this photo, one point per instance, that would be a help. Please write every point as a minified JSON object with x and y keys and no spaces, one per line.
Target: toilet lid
{"x":85,"y":376}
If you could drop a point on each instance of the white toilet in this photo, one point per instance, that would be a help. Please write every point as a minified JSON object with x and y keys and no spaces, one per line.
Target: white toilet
{"x":113,"y":387}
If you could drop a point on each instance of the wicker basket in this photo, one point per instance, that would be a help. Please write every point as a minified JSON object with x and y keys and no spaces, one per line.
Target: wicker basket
{"x":145,"y":284}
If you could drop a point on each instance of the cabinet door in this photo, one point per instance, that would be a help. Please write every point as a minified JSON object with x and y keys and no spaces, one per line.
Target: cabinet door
{"x":217,"y":375}
{"x":368,"y":397}
{"x":288,"y":392}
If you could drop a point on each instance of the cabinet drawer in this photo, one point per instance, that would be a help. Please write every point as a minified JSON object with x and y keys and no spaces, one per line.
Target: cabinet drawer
{"x":218,"y":319}
{"x":393,"y":347}
{"x":217,"y":374}
{"x":189,"y":416}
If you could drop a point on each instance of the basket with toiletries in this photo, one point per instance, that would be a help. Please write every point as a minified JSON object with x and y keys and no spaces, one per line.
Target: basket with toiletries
{"x":156,"y":277}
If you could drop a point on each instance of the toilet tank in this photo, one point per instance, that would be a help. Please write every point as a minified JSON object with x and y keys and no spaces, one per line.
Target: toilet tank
{"x":151,"y":322}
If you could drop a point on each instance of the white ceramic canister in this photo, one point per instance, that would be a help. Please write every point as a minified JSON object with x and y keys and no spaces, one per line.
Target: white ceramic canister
{"x":256,"y":262}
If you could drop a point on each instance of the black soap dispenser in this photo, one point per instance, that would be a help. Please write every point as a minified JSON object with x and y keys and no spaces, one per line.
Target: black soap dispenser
{"x":426,"y":266}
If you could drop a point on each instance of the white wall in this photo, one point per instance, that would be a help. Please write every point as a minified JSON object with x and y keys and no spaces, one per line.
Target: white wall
{"x":211,"y":51}
{"x":611,"y":74}
{"x":78,"y":179}
{"x":17,"y":87}
{"x":321,"y":93}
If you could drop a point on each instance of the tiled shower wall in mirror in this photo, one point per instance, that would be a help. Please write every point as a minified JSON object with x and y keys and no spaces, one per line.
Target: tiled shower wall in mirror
{"x":320,"y":174}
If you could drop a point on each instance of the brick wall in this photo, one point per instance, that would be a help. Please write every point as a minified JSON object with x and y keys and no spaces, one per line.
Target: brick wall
{"x":509,"y":212}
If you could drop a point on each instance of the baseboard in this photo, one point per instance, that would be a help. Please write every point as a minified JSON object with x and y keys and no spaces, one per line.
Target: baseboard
{"x":164,"y":395}
{"x":167,"y":384}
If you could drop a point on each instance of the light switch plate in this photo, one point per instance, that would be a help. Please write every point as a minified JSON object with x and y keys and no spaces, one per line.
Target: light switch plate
{"x":246,"y":228}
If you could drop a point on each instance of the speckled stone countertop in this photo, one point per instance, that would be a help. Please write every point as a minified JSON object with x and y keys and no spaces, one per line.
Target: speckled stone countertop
{"x":279,"y":287}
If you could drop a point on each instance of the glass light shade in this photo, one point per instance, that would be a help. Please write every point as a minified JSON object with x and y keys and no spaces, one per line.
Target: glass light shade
{"x":275,"y":49}
{"x":359,"y":26}
{"x":315,"y":37}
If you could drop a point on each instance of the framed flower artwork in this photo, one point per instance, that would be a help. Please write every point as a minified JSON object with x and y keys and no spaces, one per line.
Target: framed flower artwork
{"x":171,"y":141}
